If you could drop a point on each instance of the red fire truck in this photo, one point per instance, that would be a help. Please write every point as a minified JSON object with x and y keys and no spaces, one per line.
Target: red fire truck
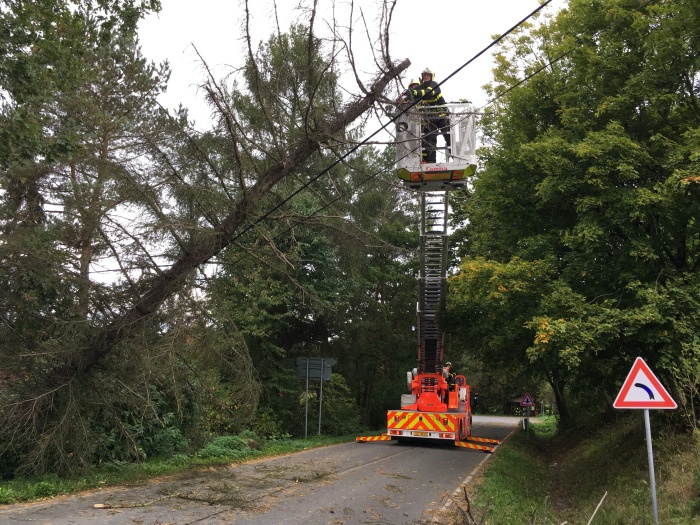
{"x":438,"y":406}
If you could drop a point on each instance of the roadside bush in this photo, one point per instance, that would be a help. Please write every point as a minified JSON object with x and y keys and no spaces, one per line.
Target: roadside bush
{"x":165,"y":441}
{"x":267,"y":425}
{"x":7,"y":496}
{"x":44,"y":489}
{"x":178,"y":460}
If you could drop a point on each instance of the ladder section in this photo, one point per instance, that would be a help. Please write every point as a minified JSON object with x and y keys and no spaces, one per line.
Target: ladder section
{"x":431,"y":280}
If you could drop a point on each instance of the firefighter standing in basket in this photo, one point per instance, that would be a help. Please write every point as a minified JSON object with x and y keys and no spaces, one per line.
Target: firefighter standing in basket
{"x":436,"y":121}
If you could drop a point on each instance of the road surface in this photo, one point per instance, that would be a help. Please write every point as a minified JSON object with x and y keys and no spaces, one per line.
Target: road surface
{"x":355,"y":483}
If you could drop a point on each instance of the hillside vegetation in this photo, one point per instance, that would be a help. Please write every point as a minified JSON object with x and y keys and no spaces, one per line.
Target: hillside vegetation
{"x":555,"y":477}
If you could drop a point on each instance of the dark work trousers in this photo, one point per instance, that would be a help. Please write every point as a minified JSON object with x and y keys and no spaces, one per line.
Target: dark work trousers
{"x":432,"y":127}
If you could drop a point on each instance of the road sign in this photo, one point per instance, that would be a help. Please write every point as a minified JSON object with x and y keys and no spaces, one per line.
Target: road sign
{"x":527,"y":401}
{"x":314,"y":367}
{"x":642,"y":389}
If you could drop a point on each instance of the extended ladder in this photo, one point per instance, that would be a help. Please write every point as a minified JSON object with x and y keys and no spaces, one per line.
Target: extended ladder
{"x":431,"y":280}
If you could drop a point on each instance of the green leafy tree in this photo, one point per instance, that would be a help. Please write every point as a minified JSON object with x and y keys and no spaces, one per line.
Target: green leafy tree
{"x":590,"y":173}
{"x":339,"y":414}
{"x":77,"y":92}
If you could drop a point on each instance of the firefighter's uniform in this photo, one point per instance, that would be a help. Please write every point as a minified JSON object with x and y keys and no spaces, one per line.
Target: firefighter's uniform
{"x":436,"y":121}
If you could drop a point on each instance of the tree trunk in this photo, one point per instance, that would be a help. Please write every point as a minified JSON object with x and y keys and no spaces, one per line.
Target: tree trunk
{"x":366,"y":399}
{"x":562,"y":407}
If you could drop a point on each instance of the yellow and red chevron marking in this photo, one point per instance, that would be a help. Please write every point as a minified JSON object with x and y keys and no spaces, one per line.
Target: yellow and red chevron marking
{"x":365,"y":439}
{"x":428,"y":421}
{"x":483,"y":440}
{"x":474,"y":446}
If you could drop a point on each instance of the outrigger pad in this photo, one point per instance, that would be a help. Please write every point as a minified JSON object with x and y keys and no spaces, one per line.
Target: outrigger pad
{"x":365,"y":439}
{"x":474,"y":446}
{"x":483,"y":440}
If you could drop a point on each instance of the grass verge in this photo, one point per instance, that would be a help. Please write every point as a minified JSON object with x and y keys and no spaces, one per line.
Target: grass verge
{"x":562,"y":476}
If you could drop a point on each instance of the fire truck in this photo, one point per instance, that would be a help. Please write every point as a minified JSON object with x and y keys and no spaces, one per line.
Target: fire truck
{"x":438,"y":405}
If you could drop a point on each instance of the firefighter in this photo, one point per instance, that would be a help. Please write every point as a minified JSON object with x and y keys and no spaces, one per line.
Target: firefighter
{"x":436,"y":121}
{"x":450,"y":376}
{"x":407,"y":96}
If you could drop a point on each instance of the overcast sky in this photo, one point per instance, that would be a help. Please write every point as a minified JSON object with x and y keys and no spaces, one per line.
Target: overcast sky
{"x":442,"y":35}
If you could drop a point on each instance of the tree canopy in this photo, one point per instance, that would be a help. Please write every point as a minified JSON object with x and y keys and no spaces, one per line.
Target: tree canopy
{"x":583,"y":238}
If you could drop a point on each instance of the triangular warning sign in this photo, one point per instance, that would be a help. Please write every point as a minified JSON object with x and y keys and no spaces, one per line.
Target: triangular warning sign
{"x":527,"y":401}
{"x":642,"y":389}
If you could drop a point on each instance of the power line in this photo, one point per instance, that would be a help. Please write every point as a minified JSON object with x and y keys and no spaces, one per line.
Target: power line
{"x":493,"y":100}
{"x":376,"y":132}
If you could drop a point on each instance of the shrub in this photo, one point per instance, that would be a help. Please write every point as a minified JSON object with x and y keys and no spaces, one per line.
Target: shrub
{"x":228,"y":447}
{"x":7,"y":496}
{"x":44,"y":489}
{"x":164,"y":442}
{"x":178,"y":460}
{"x":340,"y":413}
{"x":267,"y":424}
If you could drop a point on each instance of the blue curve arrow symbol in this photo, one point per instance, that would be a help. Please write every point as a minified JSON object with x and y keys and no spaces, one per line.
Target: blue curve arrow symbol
{"x":646,"y":389}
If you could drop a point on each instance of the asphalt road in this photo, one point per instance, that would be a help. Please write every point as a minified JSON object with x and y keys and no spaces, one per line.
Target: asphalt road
{"x":356,"y":483}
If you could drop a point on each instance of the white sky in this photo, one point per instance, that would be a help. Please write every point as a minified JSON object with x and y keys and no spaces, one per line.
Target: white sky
{"x":442,"y":35}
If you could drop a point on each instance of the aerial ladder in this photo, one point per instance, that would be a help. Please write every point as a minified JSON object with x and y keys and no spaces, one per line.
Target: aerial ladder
{"x":438,"y":407}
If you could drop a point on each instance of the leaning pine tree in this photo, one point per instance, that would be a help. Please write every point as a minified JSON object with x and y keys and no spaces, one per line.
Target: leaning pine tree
{"x":111,"y":209}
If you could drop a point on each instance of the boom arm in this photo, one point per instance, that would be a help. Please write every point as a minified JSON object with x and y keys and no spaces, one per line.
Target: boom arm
{"x":431,"y":280}
{"x":435,"y":409}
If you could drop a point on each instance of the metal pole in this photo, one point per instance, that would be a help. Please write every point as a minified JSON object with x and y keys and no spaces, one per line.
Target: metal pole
{"x":320,"y":400}
{"x":527,"y":425}
{"x":652,"y":478}
{"x":306,"y":424}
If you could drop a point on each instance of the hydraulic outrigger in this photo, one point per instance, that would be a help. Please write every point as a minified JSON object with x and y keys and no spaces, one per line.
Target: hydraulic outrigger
{"x":435,"y":409}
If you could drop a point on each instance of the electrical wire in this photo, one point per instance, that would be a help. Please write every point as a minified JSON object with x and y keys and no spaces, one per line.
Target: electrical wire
{"x":490,"y":102}
{"x":377,"y":173}
{"x":376,"y":132}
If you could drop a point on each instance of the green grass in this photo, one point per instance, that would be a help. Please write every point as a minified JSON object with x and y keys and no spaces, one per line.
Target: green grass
{"x":222,"y":451}
{"x":514,"y":488}
{"x":561,"y":476}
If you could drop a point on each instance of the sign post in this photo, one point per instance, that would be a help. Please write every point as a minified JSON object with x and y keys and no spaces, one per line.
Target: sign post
{"x":527,"y":403}
{"x":306,"y":417}
{"x":642,"y":390}
{"x":313,"y":368}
